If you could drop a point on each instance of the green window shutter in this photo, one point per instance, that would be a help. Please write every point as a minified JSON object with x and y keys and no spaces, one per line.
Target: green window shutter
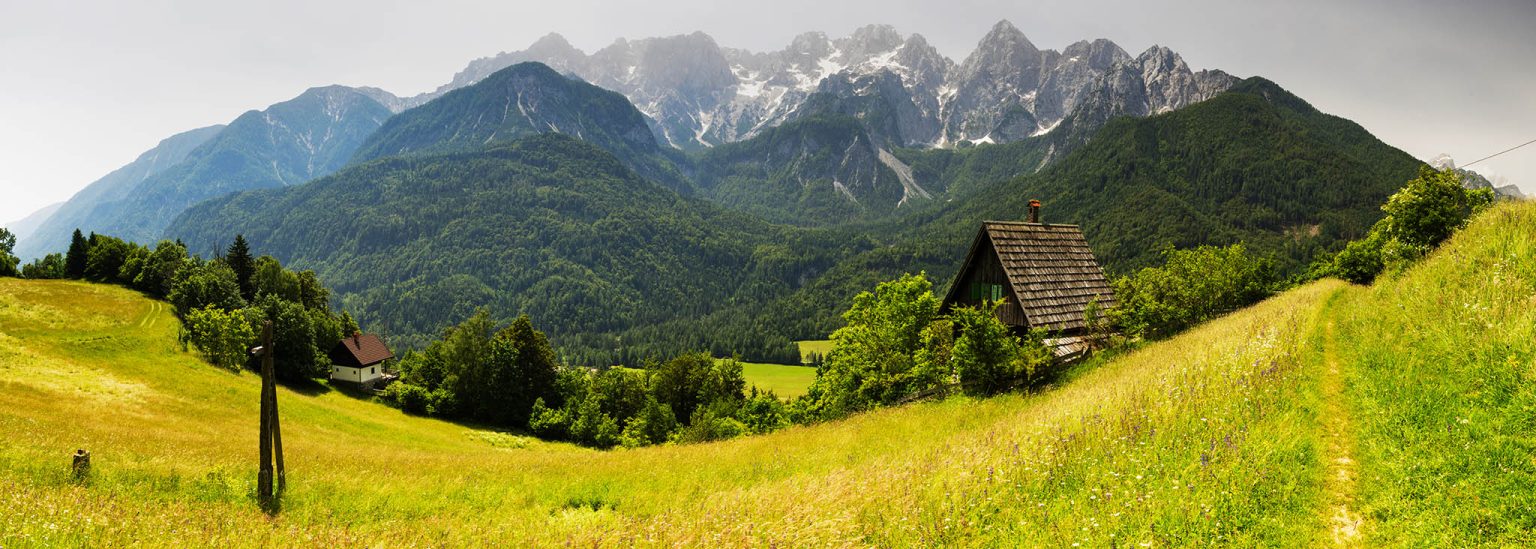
{"x":997,"y":292}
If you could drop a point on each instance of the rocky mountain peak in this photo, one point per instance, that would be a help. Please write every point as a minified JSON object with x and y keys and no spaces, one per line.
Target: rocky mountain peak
{"x":698,"y":94}
{"x":554,"y":45}
{"x":871,"y":40}
{"x":688,"y":64}
{"x":1442,"y":162}
{"x":1004,"y":38}
{"x":809,"y":46}
{"x":1099,"y":54}
{"x":1161,"y":60}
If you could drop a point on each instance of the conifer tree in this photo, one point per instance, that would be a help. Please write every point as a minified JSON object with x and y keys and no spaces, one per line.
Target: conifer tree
{"x":239,"y":260}
{"x":75,"y":259}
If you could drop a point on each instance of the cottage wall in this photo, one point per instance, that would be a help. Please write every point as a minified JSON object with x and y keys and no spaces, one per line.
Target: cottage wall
{"x":356,"y":375}
{"x":984,"y":279}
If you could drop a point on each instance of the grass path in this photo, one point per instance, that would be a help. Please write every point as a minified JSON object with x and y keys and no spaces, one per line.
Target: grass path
{"x":1339,"y":488}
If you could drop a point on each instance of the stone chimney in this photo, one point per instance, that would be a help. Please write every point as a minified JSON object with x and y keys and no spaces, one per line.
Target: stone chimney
{"x":1034,"y":211}
{"x":357,"y":339}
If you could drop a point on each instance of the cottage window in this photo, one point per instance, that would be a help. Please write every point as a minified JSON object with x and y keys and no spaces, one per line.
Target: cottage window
{"x":370,"y":370}
{"x":986,"y":291}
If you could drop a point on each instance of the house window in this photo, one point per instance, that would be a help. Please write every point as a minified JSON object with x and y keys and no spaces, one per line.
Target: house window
{"x":986,"y":291}
{"x":370,"y":370}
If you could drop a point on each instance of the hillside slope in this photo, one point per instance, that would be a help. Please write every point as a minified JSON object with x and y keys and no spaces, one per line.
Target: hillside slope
{"x":1440,"y":364}
{"x":1238,"y":432}
{"x":1210,"y":437}
{"x":1256,"y":165}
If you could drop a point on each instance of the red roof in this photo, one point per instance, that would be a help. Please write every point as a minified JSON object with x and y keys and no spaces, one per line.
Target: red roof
{"x":360,"y":351}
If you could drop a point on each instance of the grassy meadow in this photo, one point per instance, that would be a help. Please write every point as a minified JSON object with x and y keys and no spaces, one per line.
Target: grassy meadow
{"x":1440,"y":366}
{"x":819,"y":346}
{"x":1399,"y":414}
{"x":784,"y":380}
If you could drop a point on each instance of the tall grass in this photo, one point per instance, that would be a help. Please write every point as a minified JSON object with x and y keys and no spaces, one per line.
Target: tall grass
{"x":1442,"y":377}
{"x":1209,"y":437}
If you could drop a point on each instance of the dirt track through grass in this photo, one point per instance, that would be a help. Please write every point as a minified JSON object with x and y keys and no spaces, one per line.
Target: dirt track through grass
{"x":1339,"y":488}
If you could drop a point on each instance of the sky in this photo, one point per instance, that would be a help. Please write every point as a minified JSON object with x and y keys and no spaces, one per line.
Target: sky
{"x":86,"y":86}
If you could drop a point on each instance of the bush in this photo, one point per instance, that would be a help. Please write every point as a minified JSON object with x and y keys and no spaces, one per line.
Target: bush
{"x":223,"y":337}
{"x":885,"y":351}
{"x":653,"y":425}
{"x":411,"y":399}
{"x":549,"y":423}
{"x":711,"y":423}
{"x":1191,"y":287}
{"x":1360,"y":261}
{"x":1426,"y":211}
{"x":763,"y":412}
{"x":48,"y":267}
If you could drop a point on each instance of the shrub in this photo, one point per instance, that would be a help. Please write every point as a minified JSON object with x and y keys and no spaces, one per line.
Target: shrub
{"x":1192,"y":286}
{"x":711,"y":423}
{"x":223,"y":337}
{"x":884,"y":352}
{"x":550,"y":423}
{"x":412,"y":399}
{"x":763,"y":412}
{"x":653,"y":425}
{"x":48,"y":267}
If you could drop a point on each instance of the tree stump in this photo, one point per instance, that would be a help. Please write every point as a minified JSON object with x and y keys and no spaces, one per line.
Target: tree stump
{"x":80,"y":468}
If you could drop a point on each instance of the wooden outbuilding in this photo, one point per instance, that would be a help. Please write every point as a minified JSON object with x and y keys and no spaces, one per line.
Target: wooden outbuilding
{"x":359,"y":359}
{"x":1044,"y":273}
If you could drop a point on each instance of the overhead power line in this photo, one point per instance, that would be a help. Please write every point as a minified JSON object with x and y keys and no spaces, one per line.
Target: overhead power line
{"x":1498,"y":153}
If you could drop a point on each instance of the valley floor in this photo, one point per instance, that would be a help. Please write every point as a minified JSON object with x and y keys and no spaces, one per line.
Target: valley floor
{"x":1401,"y":414}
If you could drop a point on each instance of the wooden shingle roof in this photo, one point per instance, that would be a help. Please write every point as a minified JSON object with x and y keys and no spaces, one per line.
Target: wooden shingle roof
{"x":360,"y":351}
{"x":1051,"y":270}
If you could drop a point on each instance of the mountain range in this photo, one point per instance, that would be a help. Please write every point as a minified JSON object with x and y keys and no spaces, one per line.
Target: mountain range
{"x":618,"y":267}
{"x":699,"y":94}
{"x":1474,"y":180}
{"x":667,"y":194}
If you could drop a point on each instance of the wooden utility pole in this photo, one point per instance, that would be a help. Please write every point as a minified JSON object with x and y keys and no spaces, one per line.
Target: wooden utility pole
{"x":271,"y":434}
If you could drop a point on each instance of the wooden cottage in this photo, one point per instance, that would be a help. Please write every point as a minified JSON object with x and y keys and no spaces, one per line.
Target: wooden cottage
{"x":359,"y":359}
{"x":1045,"y":274}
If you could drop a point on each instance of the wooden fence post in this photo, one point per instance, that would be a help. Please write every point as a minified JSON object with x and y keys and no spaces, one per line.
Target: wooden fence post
{"x":80,"y":466}
{"x":264,"y":475}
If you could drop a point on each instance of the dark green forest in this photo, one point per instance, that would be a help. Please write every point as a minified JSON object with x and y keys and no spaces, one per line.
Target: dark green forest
{"x":548,"y":226}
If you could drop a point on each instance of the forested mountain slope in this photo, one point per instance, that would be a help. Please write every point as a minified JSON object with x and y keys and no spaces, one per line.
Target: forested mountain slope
{"x":1255,"y":165}
{"x":522,"y":100}
{"x":546,"y":225}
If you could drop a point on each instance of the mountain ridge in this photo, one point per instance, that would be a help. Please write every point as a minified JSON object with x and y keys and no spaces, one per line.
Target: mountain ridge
{"x":288,"y":143}
{"x":700,"y":94}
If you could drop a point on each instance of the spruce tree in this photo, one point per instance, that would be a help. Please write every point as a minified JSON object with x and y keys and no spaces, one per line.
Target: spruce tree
{"x":75,"y":259}
{"x":239,"y":259}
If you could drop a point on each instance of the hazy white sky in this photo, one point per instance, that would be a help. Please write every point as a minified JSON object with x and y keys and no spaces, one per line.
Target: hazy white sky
{"x":87,"y":86}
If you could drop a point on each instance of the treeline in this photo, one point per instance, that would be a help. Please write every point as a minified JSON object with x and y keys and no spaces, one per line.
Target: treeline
{"x":896,"y":346}
{"x":1424,"y":213}
{"x":222,"y":302}
{"x":510,"y":377}
{"x":1195,"y":285}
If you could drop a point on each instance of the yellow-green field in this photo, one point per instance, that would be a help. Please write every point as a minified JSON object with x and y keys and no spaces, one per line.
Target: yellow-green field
{"x":819,"y":346}
{"x":1400,"y":414}
{"x":785,"y":381}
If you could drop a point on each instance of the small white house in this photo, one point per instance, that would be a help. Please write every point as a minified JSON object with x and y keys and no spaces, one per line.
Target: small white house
{"x":359,"y":359}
